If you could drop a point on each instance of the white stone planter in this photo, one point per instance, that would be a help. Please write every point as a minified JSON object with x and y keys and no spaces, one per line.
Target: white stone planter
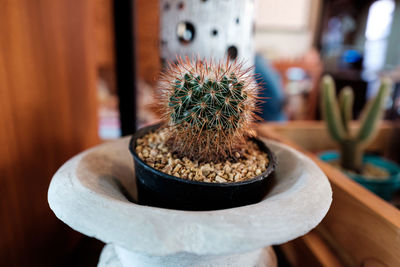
{"x":91,"y":194}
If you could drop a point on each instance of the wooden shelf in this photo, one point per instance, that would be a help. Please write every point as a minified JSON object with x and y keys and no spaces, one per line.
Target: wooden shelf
{"x":360,"y":228}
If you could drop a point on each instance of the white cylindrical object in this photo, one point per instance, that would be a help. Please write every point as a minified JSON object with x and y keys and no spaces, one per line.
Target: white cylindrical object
{"x":207,"y":28}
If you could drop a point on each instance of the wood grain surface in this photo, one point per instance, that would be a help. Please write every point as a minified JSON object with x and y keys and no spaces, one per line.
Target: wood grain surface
{"x":48,"y":113}
{"x":148,"y":39}
{"x":310,"y":250}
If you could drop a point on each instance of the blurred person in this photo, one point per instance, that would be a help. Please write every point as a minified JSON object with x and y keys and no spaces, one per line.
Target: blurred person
{"x":270,"y":82}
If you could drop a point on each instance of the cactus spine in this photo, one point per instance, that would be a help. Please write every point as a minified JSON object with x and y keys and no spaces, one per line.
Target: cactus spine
{"x":208,"y":107}
{"x":338,"y":116}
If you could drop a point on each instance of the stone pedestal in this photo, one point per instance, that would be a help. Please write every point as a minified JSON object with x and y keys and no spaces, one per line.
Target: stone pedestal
{"x":94,"y":193}
{"x":112,"y":256}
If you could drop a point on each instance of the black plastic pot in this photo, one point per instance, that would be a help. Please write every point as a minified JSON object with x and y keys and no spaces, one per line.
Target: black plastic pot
{"x":159,"y":189}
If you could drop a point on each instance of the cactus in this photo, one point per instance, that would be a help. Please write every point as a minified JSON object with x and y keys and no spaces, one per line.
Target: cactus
{"x":338,"y":116}
{"x":208,"y":107}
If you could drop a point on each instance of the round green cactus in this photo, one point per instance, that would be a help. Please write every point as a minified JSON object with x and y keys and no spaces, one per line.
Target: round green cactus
{"x":212,"y":104}
{"x":208,"y":107}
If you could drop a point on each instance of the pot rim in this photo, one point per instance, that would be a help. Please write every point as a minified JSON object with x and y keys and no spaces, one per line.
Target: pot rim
{"x":390,"y":180}
{"x":144,"y":130}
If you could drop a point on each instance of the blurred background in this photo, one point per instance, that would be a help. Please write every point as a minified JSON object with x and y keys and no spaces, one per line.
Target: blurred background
{"x":291,"y":43}
{"x":74,"y":74}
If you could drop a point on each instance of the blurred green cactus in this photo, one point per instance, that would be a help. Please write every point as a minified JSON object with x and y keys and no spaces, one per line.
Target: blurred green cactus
{"x":339,"y":115}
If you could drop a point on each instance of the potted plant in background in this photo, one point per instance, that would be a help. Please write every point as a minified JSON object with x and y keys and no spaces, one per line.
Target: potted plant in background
{"x":203,"y":156}
{"x":375,"y":173}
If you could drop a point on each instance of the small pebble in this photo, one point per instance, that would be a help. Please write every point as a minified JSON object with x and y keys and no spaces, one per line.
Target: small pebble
{"x":237,"y":177}
{"x":206,"y":169}
{"x":153,"y":153}
{"x":220,"y":179}
{"x":177,"y":168}
{"x":227,"y":169}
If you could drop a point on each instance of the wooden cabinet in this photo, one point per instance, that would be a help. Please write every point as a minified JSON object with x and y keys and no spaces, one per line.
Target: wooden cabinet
{"x":48,"y":113}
